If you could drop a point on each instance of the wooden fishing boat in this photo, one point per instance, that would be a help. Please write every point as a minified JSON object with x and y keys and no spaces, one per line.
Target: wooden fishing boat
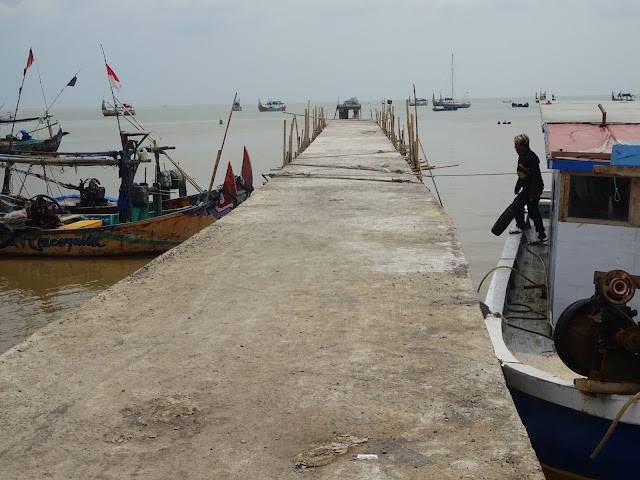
{"x":561,"y":316}
{"x":272,"y":106}
{"x":41,"y":135}
{"x":138,"y":227}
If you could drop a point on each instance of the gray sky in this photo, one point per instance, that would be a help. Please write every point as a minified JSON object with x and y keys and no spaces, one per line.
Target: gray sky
{"x":182,"y":52}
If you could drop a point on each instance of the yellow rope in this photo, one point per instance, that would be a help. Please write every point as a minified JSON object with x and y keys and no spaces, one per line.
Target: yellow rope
{"x":613,"y":425}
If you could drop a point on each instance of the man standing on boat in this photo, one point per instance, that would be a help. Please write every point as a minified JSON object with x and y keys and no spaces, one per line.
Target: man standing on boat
{"x":528,"y":187}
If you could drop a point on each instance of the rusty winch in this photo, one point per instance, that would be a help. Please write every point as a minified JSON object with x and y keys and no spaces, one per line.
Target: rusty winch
{"x":598,"y":337}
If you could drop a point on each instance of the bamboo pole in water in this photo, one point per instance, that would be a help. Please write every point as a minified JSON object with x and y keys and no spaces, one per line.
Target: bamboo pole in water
{"x":215,"y":168}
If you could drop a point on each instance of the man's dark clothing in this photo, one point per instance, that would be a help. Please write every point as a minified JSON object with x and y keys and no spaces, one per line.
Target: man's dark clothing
{"x":531,"y":184}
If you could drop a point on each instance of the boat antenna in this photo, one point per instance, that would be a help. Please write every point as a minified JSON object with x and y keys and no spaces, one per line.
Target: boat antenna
{"x":215,"y":168}
{"x":113,"y":95}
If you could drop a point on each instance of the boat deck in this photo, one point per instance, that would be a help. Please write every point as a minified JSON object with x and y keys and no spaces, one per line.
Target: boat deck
{"x":330,"y":315}
{"x":526,"y":332}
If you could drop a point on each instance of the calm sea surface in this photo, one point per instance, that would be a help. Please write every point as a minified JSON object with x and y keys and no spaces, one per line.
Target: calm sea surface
{"x":474,"y":193}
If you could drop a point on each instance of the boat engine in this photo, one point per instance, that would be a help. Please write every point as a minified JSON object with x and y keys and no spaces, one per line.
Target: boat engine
{"x":92,"y":195}
{"x":42,"y":212}
{"x":598,"y":337}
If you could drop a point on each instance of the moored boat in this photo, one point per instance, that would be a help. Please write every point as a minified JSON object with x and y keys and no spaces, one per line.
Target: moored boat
{"x":118,"y":109}
{"x":561,"y":316}
{"x":451,"y":100}
{"x":520,"y":105}
{"x":622,"y":97}
{"x":138,"y":226}
{"x":39,"y":134}
{"x":418,"y":102}
{"x":272,"y":106}
{"x":445,"y":108}
{"x":236,"y":106}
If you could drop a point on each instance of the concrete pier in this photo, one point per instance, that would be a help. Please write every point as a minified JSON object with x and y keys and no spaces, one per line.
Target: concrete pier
{"x":328,"y":316}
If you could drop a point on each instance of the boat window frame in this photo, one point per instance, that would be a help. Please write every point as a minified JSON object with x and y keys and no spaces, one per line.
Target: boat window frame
{"x":633,"y":218}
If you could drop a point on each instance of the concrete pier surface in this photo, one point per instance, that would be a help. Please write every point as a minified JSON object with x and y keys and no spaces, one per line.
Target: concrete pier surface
{"x":330,"y":315}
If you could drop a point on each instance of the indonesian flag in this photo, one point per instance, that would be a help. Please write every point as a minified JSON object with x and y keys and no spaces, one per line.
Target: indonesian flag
{"x":29,"y":62}
{"x":114,"y":81}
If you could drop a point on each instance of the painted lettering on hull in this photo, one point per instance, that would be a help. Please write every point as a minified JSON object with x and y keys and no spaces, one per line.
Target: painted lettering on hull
{"x":42,"y":243}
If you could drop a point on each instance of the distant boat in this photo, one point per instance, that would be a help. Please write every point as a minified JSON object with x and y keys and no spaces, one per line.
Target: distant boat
{"x":622,"y":97}
{"x":506,"y":101}
{"x":418,"y":102}
{"x":272,"y":106}
{"x":124,"y":109}
{"x":445,"y":108}
{"x":5,"y":115}
{"x":450,"y":101}
{"x":236,"y":106}
{"x":514,"y":104}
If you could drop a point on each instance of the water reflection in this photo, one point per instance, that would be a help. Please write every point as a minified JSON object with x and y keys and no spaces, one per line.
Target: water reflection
{"x":34,"y":292}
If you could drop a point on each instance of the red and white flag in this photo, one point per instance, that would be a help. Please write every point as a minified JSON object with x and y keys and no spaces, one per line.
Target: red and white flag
{"x":114,"y":81}
{"x":29,"y":62}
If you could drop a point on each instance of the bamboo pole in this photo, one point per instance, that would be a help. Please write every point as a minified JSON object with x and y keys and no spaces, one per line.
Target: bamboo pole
{"x":284,"y":145}
{"x":295,"y":120}
{"x":290,"y":144}
{"x":215,"y":168}
{"x":415,"y":106}
{"x":431,"y":175}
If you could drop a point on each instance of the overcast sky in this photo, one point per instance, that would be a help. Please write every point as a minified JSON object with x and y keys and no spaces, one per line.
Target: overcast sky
{"x":183,"y":52}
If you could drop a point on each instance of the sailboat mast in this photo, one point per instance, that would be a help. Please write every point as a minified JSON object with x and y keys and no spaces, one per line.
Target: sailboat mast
{"x":452,"y":97}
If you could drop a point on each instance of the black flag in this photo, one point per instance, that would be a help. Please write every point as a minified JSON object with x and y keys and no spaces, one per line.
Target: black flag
{"x":72,"y":82}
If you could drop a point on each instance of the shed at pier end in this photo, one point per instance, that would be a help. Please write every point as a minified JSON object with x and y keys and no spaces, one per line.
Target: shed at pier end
{"x":351,"y":104}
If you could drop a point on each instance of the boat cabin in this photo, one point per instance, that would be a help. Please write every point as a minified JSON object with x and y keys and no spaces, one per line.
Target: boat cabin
{"x":595,"y":210}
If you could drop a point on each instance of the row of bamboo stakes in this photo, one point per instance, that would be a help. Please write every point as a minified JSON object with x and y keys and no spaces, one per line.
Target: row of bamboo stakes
{"x":313,"y":125}
{"x":406,"y":143}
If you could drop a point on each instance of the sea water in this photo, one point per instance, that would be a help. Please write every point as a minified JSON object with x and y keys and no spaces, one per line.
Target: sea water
{"x":472,"y":150}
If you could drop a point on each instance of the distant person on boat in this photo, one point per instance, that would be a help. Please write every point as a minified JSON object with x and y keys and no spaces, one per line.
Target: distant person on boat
{"x":528,"y":187}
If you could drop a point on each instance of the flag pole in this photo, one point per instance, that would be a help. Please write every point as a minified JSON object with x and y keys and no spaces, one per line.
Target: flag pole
{"x":114,"y":97}
{"x":24,"y":74}
{"x":215,"y":168}
{"x":6,"y":183}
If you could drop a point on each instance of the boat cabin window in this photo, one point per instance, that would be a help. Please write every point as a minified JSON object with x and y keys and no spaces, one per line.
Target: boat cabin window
{"x":604,"y":198}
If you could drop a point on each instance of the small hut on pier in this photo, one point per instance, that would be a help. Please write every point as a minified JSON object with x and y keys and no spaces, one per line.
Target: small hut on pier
{"x":351,"y":104}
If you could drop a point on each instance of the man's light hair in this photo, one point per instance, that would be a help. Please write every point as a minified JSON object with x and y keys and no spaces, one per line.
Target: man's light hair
{"x":522,"y":139}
